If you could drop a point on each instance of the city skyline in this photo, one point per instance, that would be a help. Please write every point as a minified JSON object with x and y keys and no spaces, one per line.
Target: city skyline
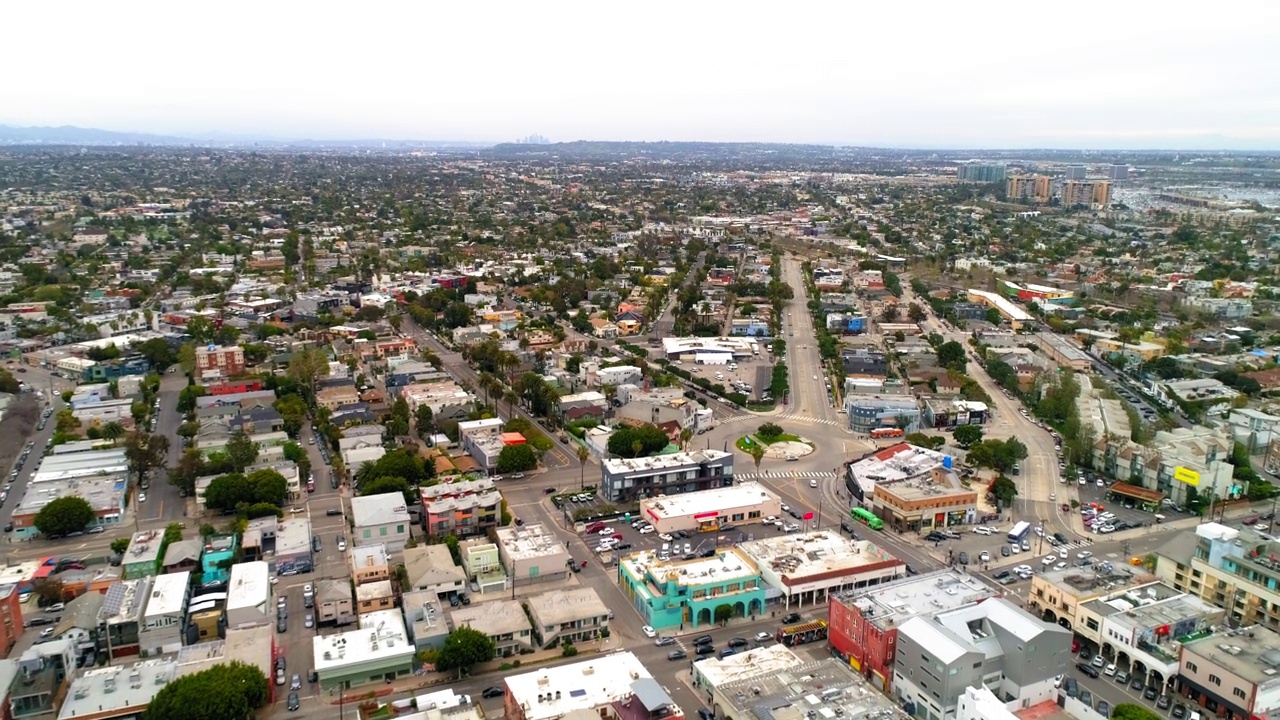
{"x":1106,"y":77}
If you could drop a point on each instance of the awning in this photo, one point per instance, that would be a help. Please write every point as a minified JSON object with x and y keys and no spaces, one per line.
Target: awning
{"x":1136,"y":492}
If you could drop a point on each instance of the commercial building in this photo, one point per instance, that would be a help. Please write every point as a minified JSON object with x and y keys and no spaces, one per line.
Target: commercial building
{"x":868,"y":413}
{"x":253,"y":646}
{"x":710,"y":351}
{"x":1140,"y":627}
{"x":570,"y":615}
{"x":1061,"y":351}
{"x":532,"y":554}
{"x":864,"y":623}
{"x":762,"y":683}
{"x":1234,"y":674}
{"x":100,"y":477}
{"x":911,"y":487}
{"x":676,"y":593}
{"x":993,"y":643}
{"x":11,"y":623}
{"x":380,"y":520}
{"x":214,"y":362}
{"x":1107,"y":343}
{"x":1057,"y":595}
{"x":117,"y":691}
{"x":615,"y":686}
{"x":1017,"y":317}
{"x":502,"y":620}
{"x":708,"y":510}
{"x":461,"y":508}
{"x":624,"y":480}
{"x":807,"y":568}
{"x":1234,"y":569}
{"x":163,"y":620}
{"x":377,"y":652}
{"x":249,"y":595}
{"x":1148,"y":474}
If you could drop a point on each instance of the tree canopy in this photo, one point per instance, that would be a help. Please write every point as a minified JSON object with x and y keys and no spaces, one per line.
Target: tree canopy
{"x":517,"y":458}
{"x":402,"y":463}
{"x":464,"y":648}
{"x":231,"y":690}
{"x":64,"y":515}
{"x":967,"y":436}
{"x":629,"y":442}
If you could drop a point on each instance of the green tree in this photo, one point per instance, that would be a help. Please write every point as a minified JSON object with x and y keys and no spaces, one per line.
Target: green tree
{"x":293,"y":412}
{"x":915,"y":313}
{"x":517,"y":458}
{"x":113,"y":431}
{"x":422,"y":418}
{"x":385,"y":484}
{"x":769,"y":431}
{"x":951,"y":356}
{"x":269,"y":486}
{"x":225,"y":492}
{"x":629,"y":442}
{"x":967,"y":436}
{"x":722,"y":613}
{"x":223,"y":692}
{"x":145,"y":452}
{"x":187,"y":397}
{"x":190,"y":466}
{"x":464,"y":648}
{"x":187,"y":358}
{"x":242,"y":450}
{"x":583,"y":455}
{"x":1005,"y":490}
{"x":64,"y":515}
{"x":119,"y":545}
{"x":294,"y":453}
{"x":307,"y":367}
{"x":172,"y":533}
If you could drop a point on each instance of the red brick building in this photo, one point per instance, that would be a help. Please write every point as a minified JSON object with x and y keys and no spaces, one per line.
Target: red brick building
{"x":213,"y":362}
{"x":10,"y":618}
{"x":864,"y":623}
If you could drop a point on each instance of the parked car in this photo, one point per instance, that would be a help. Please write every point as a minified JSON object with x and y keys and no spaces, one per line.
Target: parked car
{"x":493,"y":691}
{"x":1087,"y":669}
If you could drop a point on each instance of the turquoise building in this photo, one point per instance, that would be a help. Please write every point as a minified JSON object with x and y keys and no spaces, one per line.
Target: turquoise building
{"x":669,"y":594}
{"x":215,"y":561}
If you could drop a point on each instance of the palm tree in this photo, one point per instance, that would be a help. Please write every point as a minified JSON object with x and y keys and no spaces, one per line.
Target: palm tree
{"x":583,"y":454}
{"x":112,"y":431}
{"x":757,"y":454}
{"x":511,"y":399}
{"x":685,"y":436}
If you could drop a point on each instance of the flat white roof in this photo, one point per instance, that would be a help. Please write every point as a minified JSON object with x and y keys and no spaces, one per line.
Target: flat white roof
{"x":767,"y":660}
{"x":814,"y":553}
{"x":380,"y":509}
{"x":250,"y":585}
{"x":168,"y":594}
{"x":735,"y":345}
{"x":721,"y":567}
{"x":665,"y":462}
{"x":586,"y":685}
{"x":130,"y":687}
{"x":748,"y":494}
{"x":381,"y":636}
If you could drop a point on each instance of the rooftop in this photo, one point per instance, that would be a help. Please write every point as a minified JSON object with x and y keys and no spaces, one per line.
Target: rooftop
{"x":168,"y":594}
{"x":249,"y":586}
{"x":116,"y":689}
{"x":814,"y":553}
{"x":896,"y":464}
{"x":525,"y":542}
{"x":493,"y":618}
{"x":381,"y":635}
{"x":125,"y":601}
{"x":1252,"y":653}
{"x":104,"y":493}
{"x":893,"y":603}
{"x":1155,"y":606}
{"x":370,"y":510}
{"x":1092,"y":580}
{"x":756,"y":662}
{"x":554,"y":692}
{"x":707,"y":502}
{"x":144,"y":547}
{"x":567,"y":605}
{"x":726,"y":565}
{"x":823,"y":689}
{"x":666,"y":462}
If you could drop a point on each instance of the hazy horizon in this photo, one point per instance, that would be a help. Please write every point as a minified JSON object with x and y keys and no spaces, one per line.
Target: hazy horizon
{"x":926,"y":75}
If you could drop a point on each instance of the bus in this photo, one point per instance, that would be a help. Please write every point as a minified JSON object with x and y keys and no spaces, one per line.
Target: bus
{"x":866,"y":517}
{"x":1019,"y":532}
{"x":793,"y":635}
{"x":879,"y":433}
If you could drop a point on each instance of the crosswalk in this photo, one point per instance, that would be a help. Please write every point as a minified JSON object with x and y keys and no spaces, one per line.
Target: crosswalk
{"x":785,"y":417}
{"x":781,"y":475}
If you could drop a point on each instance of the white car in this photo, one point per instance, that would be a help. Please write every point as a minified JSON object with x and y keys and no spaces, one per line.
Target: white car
{"x":605,"y":531}
{"x":1084,"y":554}
{"x":649,"y":632}
{"x":984,"y":556}
{"x":1060,"y":566}
{"x":646,"y":529}
{"x":813,"y":482}
{"x":1052,"y":559}
{"x":666,"y":537}
{"x":769,"y":520}
{"x":1023,"y":569}
{"x":142,"y":497}
{"x":785,"y":507}
{"x":763,"y":636}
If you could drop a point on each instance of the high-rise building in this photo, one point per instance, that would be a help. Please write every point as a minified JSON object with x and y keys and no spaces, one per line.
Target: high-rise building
{"x":1076,"y":172}
{"x":1037,"y":188}
{"x":1119,"y":172}
{"x":977,"y":171}
{"x":1086,"y":192}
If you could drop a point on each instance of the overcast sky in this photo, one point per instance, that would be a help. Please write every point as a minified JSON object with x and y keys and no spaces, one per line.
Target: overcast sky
{"x":867,"y":72}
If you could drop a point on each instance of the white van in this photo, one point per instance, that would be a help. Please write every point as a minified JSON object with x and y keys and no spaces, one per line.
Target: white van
{"x":733,"y":366}
{"x":719,"y":376}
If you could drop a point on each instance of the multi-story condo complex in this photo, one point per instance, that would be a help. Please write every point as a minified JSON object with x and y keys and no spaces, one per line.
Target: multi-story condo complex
{"x":1086,"y":192}
{"x":629,"y":479}
{"x":1234,"y":569}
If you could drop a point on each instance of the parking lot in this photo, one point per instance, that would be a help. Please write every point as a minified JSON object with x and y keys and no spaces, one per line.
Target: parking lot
{"x":1125,"y":510}
{"x":1115,"y":684}
{"x":756,"y":373}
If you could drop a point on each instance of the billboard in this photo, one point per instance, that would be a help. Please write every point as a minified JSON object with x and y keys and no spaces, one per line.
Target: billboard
{"x":1186,"y":475}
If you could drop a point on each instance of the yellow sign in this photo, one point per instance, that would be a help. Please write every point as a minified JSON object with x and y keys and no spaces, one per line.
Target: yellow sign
{"x":1184,"y":475}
